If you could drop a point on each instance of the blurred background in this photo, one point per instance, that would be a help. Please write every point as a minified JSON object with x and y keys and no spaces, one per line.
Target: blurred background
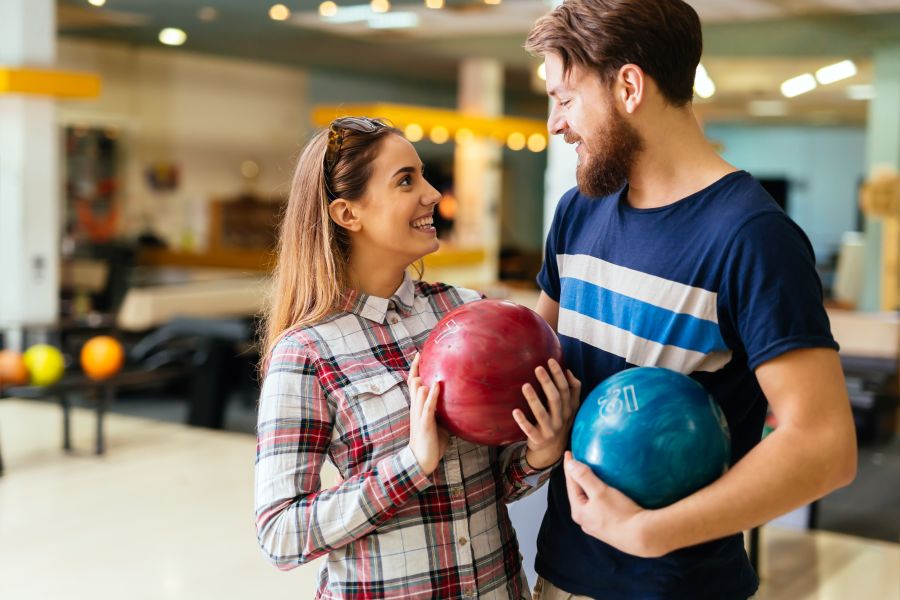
{"x":146,"y":148}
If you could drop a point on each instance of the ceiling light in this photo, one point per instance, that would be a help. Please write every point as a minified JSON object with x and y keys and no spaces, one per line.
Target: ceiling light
{"x":836,"y":72}
{"x":397,"y":20}
{"x":381,"y":6}
{"x":350,"y":14}
{"x":798,"y":85}
{"x":279,"y":12}
{"x":516,"y":140}
{"x":493,"y":1}
{"x":172,"y":36}
{"x":434,"y":3}
{"x":96,"y":2}
{"x":328,"y":9}
{"x":439,"y":134}
{"x":413,"y":132}
{"x":249,"y":169}
{"x":542,"y":72}
{"x":537,"y":142}
{"x":767,"y":108}
{"x":863,"y":91}
{"x":464,"y":136}
{"x":207,"y":13}
{"x":703,"y":83}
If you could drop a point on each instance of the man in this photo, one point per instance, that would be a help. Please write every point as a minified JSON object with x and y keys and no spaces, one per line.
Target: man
{"x":695,"y":269}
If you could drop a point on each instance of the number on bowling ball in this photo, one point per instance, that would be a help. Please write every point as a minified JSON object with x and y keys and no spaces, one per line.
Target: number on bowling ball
{"x":673,"y":443}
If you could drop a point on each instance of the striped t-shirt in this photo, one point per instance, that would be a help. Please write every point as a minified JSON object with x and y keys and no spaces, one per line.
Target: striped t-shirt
{"x":712,"y":286}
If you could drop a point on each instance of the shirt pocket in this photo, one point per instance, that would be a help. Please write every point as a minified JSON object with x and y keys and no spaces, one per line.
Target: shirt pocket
{"x":374,"y":417}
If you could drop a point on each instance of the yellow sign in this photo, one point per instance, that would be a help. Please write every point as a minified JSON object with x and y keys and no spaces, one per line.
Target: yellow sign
{"x":59,"y":84}
{"x":424,"y":119}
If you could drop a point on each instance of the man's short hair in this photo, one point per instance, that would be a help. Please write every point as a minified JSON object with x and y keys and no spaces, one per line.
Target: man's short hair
{"x":663,"y":37}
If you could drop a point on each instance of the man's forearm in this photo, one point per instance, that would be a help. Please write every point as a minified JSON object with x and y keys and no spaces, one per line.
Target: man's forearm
{"x":788,"y":469}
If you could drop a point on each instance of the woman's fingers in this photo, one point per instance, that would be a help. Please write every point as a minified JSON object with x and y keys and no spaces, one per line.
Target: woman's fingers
{"x":431,"y":401}
{"x":559,"y":378}
{"x":537,"y":407}
{"x":554,"y":398}
{"x":527,"y":428}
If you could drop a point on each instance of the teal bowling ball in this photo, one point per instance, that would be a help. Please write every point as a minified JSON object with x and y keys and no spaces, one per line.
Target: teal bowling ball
{"x":654,"y":434}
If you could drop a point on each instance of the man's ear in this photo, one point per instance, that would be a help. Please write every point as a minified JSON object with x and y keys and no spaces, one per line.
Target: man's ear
{"x":345,"y":214}
{"x":631,"y":85}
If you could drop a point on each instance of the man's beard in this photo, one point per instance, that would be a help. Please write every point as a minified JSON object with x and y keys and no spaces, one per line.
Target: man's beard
{"x":604,"y":169}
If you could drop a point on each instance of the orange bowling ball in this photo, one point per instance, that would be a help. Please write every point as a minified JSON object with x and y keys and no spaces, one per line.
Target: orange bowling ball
{"x":102,"y":357}
{"x":12,"y":368}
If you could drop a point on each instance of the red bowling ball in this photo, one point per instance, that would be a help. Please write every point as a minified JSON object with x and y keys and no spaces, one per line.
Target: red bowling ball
{"x":482,"y":353}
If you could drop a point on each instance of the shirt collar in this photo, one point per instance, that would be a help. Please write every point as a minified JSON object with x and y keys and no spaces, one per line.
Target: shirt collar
{"x":375,"y":309}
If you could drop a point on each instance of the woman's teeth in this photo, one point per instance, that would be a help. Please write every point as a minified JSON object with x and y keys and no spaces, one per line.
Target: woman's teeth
{"x":423,"y":223}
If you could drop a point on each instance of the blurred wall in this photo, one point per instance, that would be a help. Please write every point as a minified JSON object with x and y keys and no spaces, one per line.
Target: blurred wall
{"x":824,"y":165}
{"x":207,"y":115}
{"x":203,"y":114}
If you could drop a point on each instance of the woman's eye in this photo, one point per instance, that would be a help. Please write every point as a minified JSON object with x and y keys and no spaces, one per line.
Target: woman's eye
{"x":407,"y":180}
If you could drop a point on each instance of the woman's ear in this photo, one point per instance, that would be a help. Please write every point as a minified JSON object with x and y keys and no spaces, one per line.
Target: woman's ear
{"x":345,"y":214}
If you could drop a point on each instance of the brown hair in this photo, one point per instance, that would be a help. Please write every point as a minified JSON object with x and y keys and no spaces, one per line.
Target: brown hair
{"x":311,"y":272}
{"x":663,"y":37}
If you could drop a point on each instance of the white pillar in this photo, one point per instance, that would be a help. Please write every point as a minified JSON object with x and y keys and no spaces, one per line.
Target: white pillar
{"x":477,"y":165}
{"x":29,"y":175}
{"x":562,"y":160}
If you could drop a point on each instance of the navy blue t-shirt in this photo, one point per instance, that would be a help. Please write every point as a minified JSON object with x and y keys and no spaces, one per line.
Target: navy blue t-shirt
{"x":712,"y":286}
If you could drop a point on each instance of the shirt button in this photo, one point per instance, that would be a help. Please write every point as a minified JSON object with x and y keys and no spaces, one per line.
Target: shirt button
{"x":394,"y":320}
{"x":456,"y":491}
{"x":463,"y":541}
{"x":468,"y":592}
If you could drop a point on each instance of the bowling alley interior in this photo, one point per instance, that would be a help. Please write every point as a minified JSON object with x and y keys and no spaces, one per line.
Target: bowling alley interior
{"x":146,"y":155}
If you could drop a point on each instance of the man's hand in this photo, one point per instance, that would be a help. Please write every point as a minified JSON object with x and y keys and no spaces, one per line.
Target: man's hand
{"x":607,"y":514}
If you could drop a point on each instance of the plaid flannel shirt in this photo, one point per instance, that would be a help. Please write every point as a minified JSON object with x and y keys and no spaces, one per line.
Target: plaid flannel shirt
{"x":338,"y":389}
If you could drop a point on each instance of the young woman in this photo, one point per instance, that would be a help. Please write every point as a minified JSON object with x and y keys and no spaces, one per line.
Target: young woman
{"x":417,"y":513}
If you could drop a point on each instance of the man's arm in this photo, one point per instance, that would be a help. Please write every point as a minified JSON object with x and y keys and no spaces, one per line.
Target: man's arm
{"x":549,"y":309}
{"x":811,"y":452}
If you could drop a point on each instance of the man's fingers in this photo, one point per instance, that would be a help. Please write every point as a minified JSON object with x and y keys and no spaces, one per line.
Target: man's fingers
{"x":577,"y":495}
{"x":581,"y":474}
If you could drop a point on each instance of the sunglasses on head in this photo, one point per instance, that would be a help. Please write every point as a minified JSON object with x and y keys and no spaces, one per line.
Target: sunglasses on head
{"x":339,"y":128}
{"x":336,"y":133}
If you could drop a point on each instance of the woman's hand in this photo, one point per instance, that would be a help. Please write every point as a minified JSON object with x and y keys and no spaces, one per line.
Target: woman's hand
{"x":549,"y":436}
{"x":427,"y":440}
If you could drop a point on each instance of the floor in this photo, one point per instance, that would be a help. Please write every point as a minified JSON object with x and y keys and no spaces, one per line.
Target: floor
{"x":166,"y":514}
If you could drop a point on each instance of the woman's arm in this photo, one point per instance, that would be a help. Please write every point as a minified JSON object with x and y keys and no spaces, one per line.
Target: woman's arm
{"x":296,"y":520}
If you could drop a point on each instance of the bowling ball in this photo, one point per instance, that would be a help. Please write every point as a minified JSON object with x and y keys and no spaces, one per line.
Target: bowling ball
{"x":12,"y":369}
{"x":653,"y":434}
{"x":481,"y":354}
{"x":102,"y":357}
{"x":45,"y":364}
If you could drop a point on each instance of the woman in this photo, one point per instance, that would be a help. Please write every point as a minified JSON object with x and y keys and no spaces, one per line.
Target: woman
{"x":418,"y":513}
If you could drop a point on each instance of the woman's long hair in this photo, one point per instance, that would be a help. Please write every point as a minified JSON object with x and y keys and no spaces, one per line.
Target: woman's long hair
{"x":311,"y":272}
